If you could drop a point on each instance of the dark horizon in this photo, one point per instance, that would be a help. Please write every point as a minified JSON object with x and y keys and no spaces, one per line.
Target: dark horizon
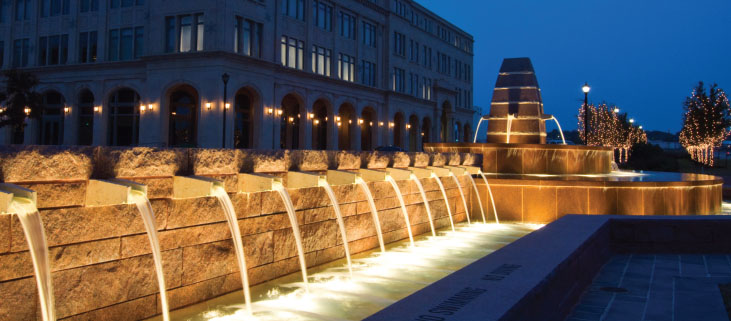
{"x":635,"y":55}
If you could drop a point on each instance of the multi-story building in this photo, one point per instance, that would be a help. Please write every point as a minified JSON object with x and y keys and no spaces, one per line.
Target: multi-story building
{"x":339,"y":74}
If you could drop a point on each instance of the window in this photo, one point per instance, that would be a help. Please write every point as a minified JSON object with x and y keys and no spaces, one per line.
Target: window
{"x":369,"y":34}
{"x":347,"y":25}
{"x":21,"y":48}
{"x":126,"y":43}
{"x":52,"y":8}
{"x":414,"y":50}
{"x":322,"y":14}
{"x":247,"y":37}
{"x":398,"y":80}
{"x":22,"y":10}
{"x":294,"y":9}
{"x":88,"y":5}
{"x":114,"y":4}
{"x":368,"y":73}
{"x":321,"y":58}
{"x":86,"y":118}
{"x":458,"y":101}
{"x":399,"y":44}
{"x":124,"y":118}
{"x":292,"y":52}
{"x":184,"y":33}
{"x":53,"y":50}
{"x":346,"y":67}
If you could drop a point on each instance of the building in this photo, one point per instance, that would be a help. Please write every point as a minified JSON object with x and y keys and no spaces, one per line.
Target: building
{"x":344,"y":74}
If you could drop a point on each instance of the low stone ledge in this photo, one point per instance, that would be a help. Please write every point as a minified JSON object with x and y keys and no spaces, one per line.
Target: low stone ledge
{"x":45,"y":163}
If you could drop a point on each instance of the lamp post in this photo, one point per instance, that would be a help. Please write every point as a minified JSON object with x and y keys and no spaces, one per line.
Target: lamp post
{"x":225,"y":77}
{"x":586,"y":90}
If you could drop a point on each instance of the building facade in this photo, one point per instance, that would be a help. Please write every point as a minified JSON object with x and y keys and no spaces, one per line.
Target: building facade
{"x":267,"y":74}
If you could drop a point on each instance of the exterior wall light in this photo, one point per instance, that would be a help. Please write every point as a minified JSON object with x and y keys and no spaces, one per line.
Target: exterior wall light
{"x":66,"y":109}
{"x":150,"y":107}
{"x":269,"y":111}
{"x":350,"y":121}
{"x":279,"y":112}
{"x":26,"y":110}
{"x":316,"y":122}
{"x":208,"y":106}
{"x":143,"y":108}
{"x":360,"y":121}
{"x":227,"y":105}
{"x":408,"y":126}
{"x":340,"y":124}
{"x":380,"y":123}
{"x":390,"y":124}
{"x":97,"y":109}
{"x":311,"y":115}
{"x":291,"y":119}
{"x":337,"y":118}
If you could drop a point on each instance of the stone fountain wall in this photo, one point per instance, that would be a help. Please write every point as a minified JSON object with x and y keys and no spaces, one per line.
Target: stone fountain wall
{"x":100,"y":256}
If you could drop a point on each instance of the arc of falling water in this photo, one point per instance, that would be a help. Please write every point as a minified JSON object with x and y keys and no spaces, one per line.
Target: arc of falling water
{"x":444,"y":194}
{"x":148,"y":217}
{"x":403,"y":206}
{"x":30,"y":220}
{"x":339,"y":216}
{"x":426,"y":203}
{"x":279,"y":188}
{"x":510,"y":124}
{"x":559,"y":129}
{"x":233,"y":224}
{"x":374,"y":211}
{"x":464,"y":201}
{"x":492,"y":199}
{"x":477,"y":193}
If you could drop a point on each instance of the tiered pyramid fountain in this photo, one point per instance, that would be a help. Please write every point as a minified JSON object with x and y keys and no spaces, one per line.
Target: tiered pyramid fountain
{"x":535,"y":182}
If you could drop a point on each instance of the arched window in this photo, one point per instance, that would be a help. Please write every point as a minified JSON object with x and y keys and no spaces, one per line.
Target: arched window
{"x":398,"y":130}
{"x":86,"y":117}
{"x":51,"y":121}
{"x":319,"y":125}
{"x":426,"y":131}
{"x":367,"y":129}
{"x":444,"y":122}
{"x":290,"y":123}
{"x":413,"y":130}
{"x":457,"y":131}
{"x":244,"y":127}
{"x":346,"y":124}
{"x":124,"y":118}
{"x":183,"y":117}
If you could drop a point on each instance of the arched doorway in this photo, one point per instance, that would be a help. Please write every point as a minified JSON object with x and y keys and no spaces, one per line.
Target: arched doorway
{"x":244,"y":103}
{"x":426,"y":131}
{"x":467,"y":133}
{"x":124,"y":118}
{"x":398,"y":130}
{"x":320,"y":125}
{"x":86,"y":117}
{"x":346,"y":126}
{"x":444,"y":123}
{"x":368,"y":117}
{"x":413,"y":129}
{"x":183,"y":110}
{"x":51,"y":121}
{"x":290,"y":123}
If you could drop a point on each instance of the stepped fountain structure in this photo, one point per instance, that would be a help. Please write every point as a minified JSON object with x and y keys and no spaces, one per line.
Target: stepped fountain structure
{"x":535,"y":182}
{"x":132,"y":233}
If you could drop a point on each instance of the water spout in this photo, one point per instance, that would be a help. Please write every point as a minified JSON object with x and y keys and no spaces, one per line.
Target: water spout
{"x":446,"y":201}
{"x":363,"y":185}
{"x":461,"y":193}
{"x":426,"y":203}
{"x":279,"y":188}
{"x":403,"y":207}
{"x":233,"y":224}
{"x":478,"y":128}
{"x":477,"y":194}
{"x":35,"y":235}
{"x":322,"y":182}
{"x":492,"y":199}
{"x":559,"y":129}
{"x":140,"y":199}
{"x":510,"y":124}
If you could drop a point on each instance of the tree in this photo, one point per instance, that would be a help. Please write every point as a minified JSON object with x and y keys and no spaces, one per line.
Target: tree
{"x":19,"y":99}
{"x":705,"y":123}
{"x":608,"y":128}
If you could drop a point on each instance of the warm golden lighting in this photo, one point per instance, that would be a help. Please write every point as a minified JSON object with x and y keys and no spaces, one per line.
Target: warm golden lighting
{"x":97,"y":109}
{"x":422,"y":134}
{"x":631,"y":120}
{"x":66,"y":110}
{"x":317,"y":122}
{"x":174,"y":113}
{"x":390,"y":124}
{"x":337,"y":118}
{"x":228,"y":105}
{"x":350,"y":121}
{"x":279,"y":112}
{"x":142,"y":108}
{"x":616,"y":110}
{"x":380,"y":123}
{"x":360,"y":121}
{"x":339,"y":124}
{"x":27,"y":110}
{"x":325,"y":118}
{"x":311,"y":115}
{"x":208,"y":106}
{"x":408,"y":126}
{"x":371,"y":123}
{"x":149,"y":107}
{"x":586,"y":88}
{"x":270,"y":110}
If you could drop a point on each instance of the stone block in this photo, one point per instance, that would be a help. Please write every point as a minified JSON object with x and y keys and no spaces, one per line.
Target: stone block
{"x":347,"y":160}
{"x":125,"y":162}
{"x":247,"y":204}
{"x":5,"y":233}
{"x":603,"y":201}
{"x":138,"y":309}
{"x":266,"y":161}
{"x":311,"y":160}
{"x":571,"y":200}
{"x":374,"y":160}
{"x":20,"y":300}
{"x":212,"y":161}
{"x":629,"y":201}
{"x":540,"y":204}
{"x":506,"y":198}
{"x":57,"y":194}
{"x":264,"y":223}
{"x":46,"y":163}
{"x":195,"y":211}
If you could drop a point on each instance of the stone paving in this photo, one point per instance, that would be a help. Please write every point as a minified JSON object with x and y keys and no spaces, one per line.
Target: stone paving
{"x":657,"y":287}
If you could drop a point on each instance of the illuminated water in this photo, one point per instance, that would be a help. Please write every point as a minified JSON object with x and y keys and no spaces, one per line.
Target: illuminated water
{"x":148,"y":217}
{"x":403,"y":206}
{"x":379,"y":279}
{"x":492,"y":198}
{"x":446,"y":201}
{"x":279,"y":188}
{"x":374,"y":212}
{"x":339,"y":218}
{"x":559,"y":129}
{"x":477,"y":193}
{"x":461,"y":193}
{"x":35,"y":235}
{"x":426,"y":203}
{"x":233,"y":224}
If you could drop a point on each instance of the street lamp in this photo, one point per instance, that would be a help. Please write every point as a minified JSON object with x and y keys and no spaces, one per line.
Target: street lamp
{"x":616,"y":110}
{"x":586,"y":90}
{"x":631,"y":120}
{"x":225,"y":77}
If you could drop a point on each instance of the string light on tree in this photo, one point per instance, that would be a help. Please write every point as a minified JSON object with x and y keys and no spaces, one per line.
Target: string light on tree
{"x":705,"y":123}
{"x":609,"y":128}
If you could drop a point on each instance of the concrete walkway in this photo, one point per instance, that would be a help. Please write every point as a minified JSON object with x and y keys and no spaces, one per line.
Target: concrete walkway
{"x":657,"y":287}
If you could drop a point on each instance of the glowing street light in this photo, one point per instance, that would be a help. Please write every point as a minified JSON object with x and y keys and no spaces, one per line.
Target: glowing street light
{"x":586,"y":90}
{"x":616,"y":110}
{"x":631,"y":120}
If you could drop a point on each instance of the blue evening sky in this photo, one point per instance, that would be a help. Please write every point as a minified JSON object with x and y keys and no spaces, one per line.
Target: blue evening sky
{"x":642,"y":55}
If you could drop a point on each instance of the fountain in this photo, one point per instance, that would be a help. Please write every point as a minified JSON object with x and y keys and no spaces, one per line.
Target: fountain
{"x":469,"y":171}
{"x":21,"y":202}
{"x":563,"y":139}
{"x":444,"y":193}
{"x":417,"y":181}
{"x":460,"y":171}
{"x":397,"y":190}
{"x":492,"y":198}
{"x":279,"y":188}
{"x":372,"y":204}
{"x":322,"y":182}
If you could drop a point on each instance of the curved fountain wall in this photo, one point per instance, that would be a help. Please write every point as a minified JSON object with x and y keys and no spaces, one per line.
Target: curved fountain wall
{"x":101,"y":262}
